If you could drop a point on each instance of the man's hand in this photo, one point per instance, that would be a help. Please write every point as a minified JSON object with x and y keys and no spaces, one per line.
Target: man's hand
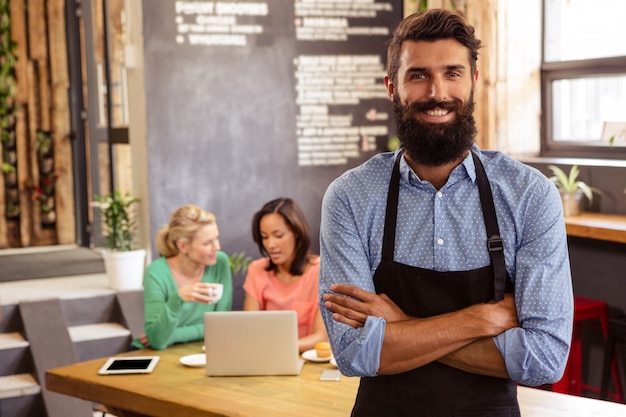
{"x":351,"y":305}
{"x":496,"y":316}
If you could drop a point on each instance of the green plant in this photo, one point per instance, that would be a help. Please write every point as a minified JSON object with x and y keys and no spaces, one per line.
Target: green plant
{"x":393,"y":143}
{"x":12,"y":210}
{"x":8,"y":59}
{"x":118,"y":220}
{"x":43,"y":143}
{"x":7,"y":168}
{"x":420,"y":5}
{"x":569,"y":183}
{"x":239,"y":262}
{"x":620,"y":134}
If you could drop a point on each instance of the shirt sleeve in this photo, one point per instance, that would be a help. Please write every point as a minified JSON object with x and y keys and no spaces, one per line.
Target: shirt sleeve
{"x":161,"y":305}
{"x":536,"y":353}
{"x":344,"y":260}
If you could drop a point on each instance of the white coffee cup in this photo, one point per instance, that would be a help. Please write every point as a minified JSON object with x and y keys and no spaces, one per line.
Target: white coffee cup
{"x":215,"y":292}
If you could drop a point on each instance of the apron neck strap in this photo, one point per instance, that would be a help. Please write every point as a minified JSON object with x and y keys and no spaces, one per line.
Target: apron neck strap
{"x":391,"y":213}
{"x":494,"y":241}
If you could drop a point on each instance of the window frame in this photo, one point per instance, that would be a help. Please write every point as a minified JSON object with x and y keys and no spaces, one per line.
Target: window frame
{"x":563,"y":70}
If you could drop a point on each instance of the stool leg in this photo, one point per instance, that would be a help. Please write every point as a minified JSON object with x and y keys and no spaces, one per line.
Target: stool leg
{"x":606,"y":367}
{"x":576,"y":370}
{"x":617,"y":380}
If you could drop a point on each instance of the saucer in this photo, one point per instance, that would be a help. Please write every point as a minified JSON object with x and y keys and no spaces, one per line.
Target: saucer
{"x":197,"y":360}
{"x":311,"y":355}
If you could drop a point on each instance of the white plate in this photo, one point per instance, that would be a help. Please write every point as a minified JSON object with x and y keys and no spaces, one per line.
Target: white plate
{"x":311,"y":355}
{"x":333,"y":362}
{"x":197,"y":360}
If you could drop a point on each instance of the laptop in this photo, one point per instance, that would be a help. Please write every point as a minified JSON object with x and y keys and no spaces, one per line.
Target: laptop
{"x":245,"y":343}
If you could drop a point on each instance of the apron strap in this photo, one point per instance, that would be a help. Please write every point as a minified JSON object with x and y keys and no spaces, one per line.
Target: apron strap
{"x":391,"y":213}
{"x":494,"y":241}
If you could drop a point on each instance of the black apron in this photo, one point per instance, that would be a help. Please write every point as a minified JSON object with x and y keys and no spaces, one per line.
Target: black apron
{"x":435,"y":389}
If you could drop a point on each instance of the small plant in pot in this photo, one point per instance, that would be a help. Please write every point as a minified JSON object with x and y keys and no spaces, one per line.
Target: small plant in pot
{"x":572,"y":190}
{"x":123,"y":264}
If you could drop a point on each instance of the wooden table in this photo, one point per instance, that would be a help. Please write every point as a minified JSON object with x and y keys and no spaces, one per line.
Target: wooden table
{"x":173,"y":387}
{"x":611,"y":227}
{"x":175,"y":390}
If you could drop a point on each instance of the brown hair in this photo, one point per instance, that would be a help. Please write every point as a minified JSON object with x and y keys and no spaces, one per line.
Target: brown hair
{"x":294,"y":217}
{"x":431,"y":25}
{"x":184,"y":223}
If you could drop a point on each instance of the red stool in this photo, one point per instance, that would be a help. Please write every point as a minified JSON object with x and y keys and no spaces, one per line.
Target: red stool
{"x":584,"y":309}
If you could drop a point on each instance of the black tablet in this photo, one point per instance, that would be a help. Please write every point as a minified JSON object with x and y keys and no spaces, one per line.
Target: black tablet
{"x":129,"y":365}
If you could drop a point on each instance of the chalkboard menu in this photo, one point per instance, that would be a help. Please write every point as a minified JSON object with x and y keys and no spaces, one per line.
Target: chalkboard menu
{"x":252,"y":100}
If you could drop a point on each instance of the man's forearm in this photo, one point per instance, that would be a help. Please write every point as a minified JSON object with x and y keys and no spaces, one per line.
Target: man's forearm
{"x":479,"y":357}
{"x":413,"y":343}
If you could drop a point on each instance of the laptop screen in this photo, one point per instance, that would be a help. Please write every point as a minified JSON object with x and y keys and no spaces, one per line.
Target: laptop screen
{"x":251,"y":343}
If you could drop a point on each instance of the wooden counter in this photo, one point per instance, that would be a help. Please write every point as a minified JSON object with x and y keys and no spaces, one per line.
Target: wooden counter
{"x":611,"y":227}
{"x":175,"y":390}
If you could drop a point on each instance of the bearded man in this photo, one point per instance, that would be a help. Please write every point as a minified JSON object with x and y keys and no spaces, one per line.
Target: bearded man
{"x":444,"y":276}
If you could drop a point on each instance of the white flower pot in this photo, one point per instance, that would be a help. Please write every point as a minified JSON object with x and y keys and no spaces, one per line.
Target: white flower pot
{"x":125,"y":269}
{"x":572,"y":203}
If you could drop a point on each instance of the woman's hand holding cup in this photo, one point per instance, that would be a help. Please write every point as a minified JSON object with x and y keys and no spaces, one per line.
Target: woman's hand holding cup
{"x":202,"y":292}
{"x":215,"y":292}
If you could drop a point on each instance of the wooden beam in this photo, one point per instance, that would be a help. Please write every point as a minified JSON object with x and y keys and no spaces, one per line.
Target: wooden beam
{"x":482,"y":15}
{"x":37,"y":44}
{"x":59,"y":78}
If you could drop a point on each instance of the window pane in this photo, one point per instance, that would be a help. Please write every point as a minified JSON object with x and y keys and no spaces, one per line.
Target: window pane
{"x":582,"y":105}
{"x":583,"y":29}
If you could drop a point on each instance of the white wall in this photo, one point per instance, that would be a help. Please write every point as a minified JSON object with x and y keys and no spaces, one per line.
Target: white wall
{"x":518,"y":93}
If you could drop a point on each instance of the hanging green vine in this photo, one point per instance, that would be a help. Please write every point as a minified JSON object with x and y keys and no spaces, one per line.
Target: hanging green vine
{"x":8,"y":59}
{"x":8,"y":108}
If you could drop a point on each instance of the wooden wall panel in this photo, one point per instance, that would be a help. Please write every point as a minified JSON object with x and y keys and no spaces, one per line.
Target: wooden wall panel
{"x":20,"y":37}
{"x":482,"y":15}
{"x":61,"y":128}
{"x":42,"y":77}
{"x":37,"y":30}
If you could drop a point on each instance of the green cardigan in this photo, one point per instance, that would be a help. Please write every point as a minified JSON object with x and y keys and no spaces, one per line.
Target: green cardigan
{"x":169,"y":319}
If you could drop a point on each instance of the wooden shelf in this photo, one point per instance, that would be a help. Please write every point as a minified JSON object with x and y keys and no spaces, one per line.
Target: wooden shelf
{"x":611,"y":227}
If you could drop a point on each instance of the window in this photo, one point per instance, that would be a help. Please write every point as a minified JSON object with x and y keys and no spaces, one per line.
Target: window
{"x":584,"y":79}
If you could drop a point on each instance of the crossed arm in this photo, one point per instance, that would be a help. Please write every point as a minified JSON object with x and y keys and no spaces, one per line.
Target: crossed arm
{"x":461,"y":339}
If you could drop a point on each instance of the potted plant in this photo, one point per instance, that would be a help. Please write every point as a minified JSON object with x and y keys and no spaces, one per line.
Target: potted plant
{"x":572,"y":190}
{"x":124,"y":265}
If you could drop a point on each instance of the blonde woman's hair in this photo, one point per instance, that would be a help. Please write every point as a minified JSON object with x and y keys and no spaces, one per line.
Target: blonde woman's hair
{"x":184,"y":223}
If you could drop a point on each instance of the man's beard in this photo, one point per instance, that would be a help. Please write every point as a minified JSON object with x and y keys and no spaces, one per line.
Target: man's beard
{"x":435,"y":144}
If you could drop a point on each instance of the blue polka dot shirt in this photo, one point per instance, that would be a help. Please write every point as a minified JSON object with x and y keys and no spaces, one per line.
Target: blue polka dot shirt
{"x":443,"y":230}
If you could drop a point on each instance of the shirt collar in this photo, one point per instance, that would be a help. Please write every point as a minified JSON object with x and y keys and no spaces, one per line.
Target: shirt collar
{"x":466,"y":167}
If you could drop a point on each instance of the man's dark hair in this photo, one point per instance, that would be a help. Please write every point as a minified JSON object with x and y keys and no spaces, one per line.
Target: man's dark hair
{"x":431,"y":25}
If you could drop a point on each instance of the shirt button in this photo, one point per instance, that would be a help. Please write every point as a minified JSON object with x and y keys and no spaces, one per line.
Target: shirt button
{"x":439,"y":194}
{"x":440,"y":242}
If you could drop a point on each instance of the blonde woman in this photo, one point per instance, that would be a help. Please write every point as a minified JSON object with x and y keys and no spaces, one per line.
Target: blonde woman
{"x":184,"y":282}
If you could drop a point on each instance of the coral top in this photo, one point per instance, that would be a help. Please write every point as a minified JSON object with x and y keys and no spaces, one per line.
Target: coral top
{"x":272,"y":294}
